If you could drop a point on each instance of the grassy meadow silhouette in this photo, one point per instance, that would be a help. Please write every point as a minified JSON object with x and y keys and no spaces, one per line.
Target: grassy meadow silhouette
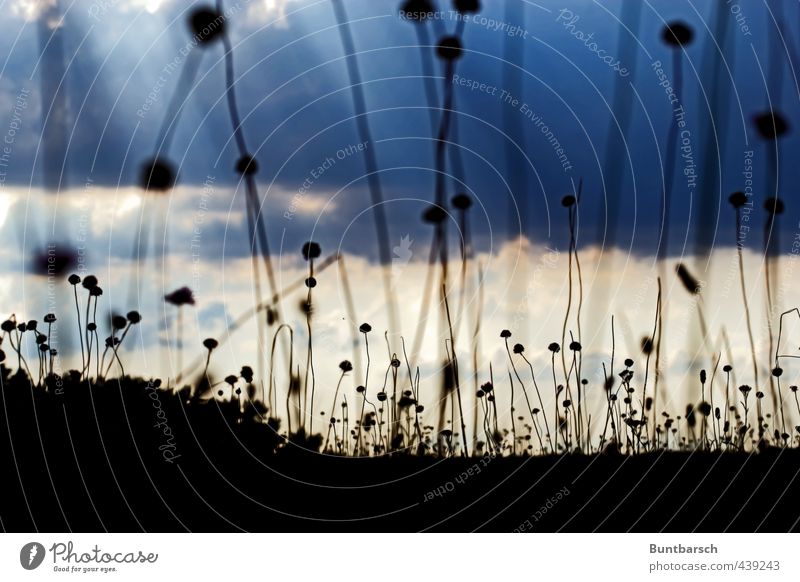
{"x":281,"y":443}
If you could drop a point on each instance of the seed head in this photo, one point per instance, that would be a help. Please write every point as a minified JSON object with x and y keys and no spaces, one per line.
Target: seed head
{"x":677,"y":34}
{"x":462,"y":201}
{"x":449,"y":48}
{"x":311,"y":250}
{"x":157,"y":175}
{"x":206,"y":25}
{"x":738,"y":199}
{"x":247,"y":165}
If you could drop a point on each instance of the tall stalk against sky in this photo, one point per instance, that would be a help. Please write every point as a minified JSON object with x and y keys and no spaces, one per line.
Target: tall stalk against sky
{"x":771,"y":127}
{"x":247,"y":167}
{"x":373,"y":175}
{"x":616,"y":139}
{"x":676,"y":35}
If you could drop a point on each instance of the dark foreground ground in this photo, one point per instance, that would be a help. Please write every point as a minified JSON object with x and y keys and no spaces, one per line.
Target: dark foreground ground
{"x":94,"y":460}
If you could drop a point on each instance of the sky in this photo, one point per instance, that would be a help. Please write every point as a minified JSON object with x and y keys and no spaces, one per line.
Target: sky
{"x":548,"y":96}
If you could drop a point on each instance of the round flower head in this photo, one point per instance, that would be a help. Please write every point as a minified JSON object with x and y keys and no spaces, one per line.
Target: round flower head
{"x":449,"y":48}
{"x":247,"y":165}
{"x":554,"y":347}
{"x":134,"y":317}
{"x":575,"y":346}
{"x":210,"y":343}
{"x":118,"y":321}
{"x":231,"y":379}
{"x":568,"y":201}
{"x":8,"y":326}
{"x":691,"y":284}
{"x":434,"y":215}
{"x":53,"y":261}
{"x":677,"y":34}
{"x":365,"y":328}
{"x":771,"y":125}
{"x":74,"y":279}
{"x":519,"y":348}
{"x":311,"y":250}
{"x":179,"y":297}
{"x":774,"y":206}
{"x":505,"y":334}
{"x":628,"y":362}
{"x":311,"y":282}
{"x":89,"y":281}
{"x":462,"y":201}
{"x":345,"y":366}
{"x":738,"y":199}
{"x":247,"y":374}
{"x":206,"y":25}
{"x":157,"y":175}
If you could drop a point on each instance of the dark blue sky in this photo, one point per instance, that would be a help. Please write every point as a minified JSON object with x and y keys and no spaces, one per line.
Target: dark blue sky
{"x":292,"y":87}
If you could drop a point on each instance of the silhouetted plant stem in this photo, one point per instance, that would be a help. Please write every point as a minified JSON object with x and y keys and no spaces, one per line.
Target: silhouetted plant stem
{"x":647,"y":360}
{"x":351,"y":313}
{"x":89,"y":337}
{"x":711,"y":398}
{"x":366,"y":386}
{"x":771,"y":234}
{"x":522,"y":384}
{"x":80,"y":334}
{"x":273,"y":404}
{"x":333,"y":411}
{"x":475,"y":347}
{"x":455,"y":373}
{"x":254,"y":310}
{"x":739,"y":246}
{"x":513,"y":411}
{"x":415,"y":393}
{"x":373,"y":176}
{"x":310,"y":356}
{"x":426,"y":295}
{"x":555,"y":401}
{"x":426,"y":61}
